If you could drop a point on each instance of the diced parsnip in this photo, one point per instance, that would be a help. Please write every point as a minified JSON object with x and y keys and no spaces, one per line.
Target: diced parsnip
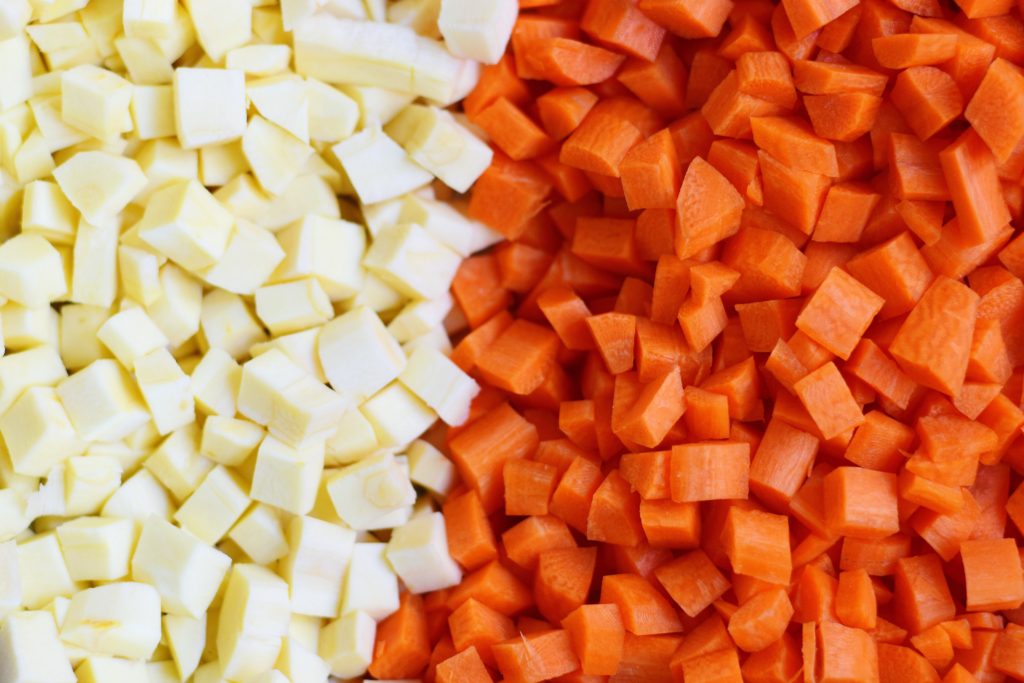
{"x":102,"y":669}
{"x":420,"y":317}
{"x":412,"y":261}
{"x":262,"y":377}
{"x":148,"y":18}
{"x":10,"y":579}
{"x":58,"y":134}
{"x":221,"y":25}
{"x":146,"y":65}
{"x":94,"y":271}
{"x":418,"y":552}
{"x":441,"y":384}
{"x":362,"y":53}
{"x":139,"y":498}
{"x":260,"y":535}
{"x":209,"y":105}
{"x":14,"y":15}
{"x":333,"y":115}
{"x":378,"y":167}
{"x":16,"y":76}
{"x":259,"y":60}
{"x":429,"y":468}
{"x":275,"y":155}
{"x":358,"y":354}
{"x":177,"y":311}
{"x":25,"y":328}
{"x":377,"y":106}
{"x":478,"y":29}
{"x":437,"y":142}
{"x":31,"y":271}
{"x":419,"y":15}
{"x":251,"y":256}
{"x":164,"y":162}
{"x":130,"y":335}
{"x":305,"y":410}
{"x":253,"y":619}
{"x":44,"y":575}
{"x":229,"y":441}
{"x":284,"y":101}
{"x":97,"y":548}
{"x":307,"y":194}
{"x":398,"y":416}
{"x":300,"y":347}
{"x":219,"y":164}
{"x":370,"y":584}
{"x":36,"y":367}
{"x":47,"y":212}
{"x":300,"y":663}
{"x":370,"y":490}
{"x":38,"y":432}
{"x":184,"y":222}
{"x":346,"y":644}
{"x":186,"y":638}
{"x":330,"y":250}
{"x":96,"y":101}
{"x":315,"y":565}
{"x":439,"y":76}
{"x":32,"y":160}
{"x":118,"y":619}
{"x":165,"y":389}
{"x":226,"y":322}
{"x":215,"y":382}
{"x":352,"y":440}
{"x":99,"y":184}
{"x":102,"y":402}
{"x":177,"y":464}
{"x":30,"y":649}
{"x":293,"y":306}
{"x":139,"y":270}
{"x":186,"y":573}
{"x":214,"y":507}
{"x":89,"y":482}
{"x":286,"y":477}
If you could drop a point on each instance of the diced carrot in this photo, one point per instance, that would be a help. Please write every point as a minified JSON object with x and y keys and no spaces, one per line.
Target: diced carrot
{"x":644,"y":610}
{"x":842,"y":116}
{"x":513,"y":131}
{"x":993,"y":574}
{"x":657,"y":83}
{"x":402,"y":647}
{"x":757,"y":544}
{"x":737,"y":161}
{"x":618,"y":25}
{"x":524,"y":542}
{"x":894,"y":270}
{"x":651,"y":176}
{"x":477,"y":626}
{"x":747,"y":34}
{"x":761,"y":620}
{"x":766,"y":76}
{"x":562,"y":580}
{"x":668,"y":524}
{"x":528,"y":486}
{"x":824,"y":78}
{"x":535,"y":658}
{"x":693,"y":581}
{"x":614,"y":515}
{"x":905,"y":50}
{"x":847,"y":209}
{"x":470,"y":537}
{"x":464,"y":667}
{"x":827,"y":398}
{"x":795,"y":145}
{"x":846,"y":653}
{"x":972,"y":177}
{"x":614,"y":335}
{"x":839,"y":312}
{"x":561,"y":110}
{"x":567,"y":314}
{"x":861,"y":503}
{"x":688,"y":18}
{"x":807,"y":16}
{"x":781,"y":463}
{"x":728,"y":109}
{"x":898,"y":663}
{"x":708,"y":209}
{"x":794,"y":195}
{"x":597,"y":635}
{"x":520,"y":358}
{"x":856,"y":604}
{"x":568,"y":62}
{"x":497,"y":80}
{"x":571,"y":499}
{"x":769,"y":264}
{"x":921,"y":597}
{"x":915,"y":171}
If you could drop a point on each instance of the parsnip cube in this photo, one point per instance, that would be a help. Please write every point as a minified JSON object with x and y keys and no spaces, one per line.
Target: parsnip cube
{"x":259,"y":60}
{"x":36,"y":367}
{"x":478,"y":29}
{"x":284,"y":101}
{"x":130,"y":335}
{"x":262,"y":377}
{"x":165,"y":163}
{"x":32,"y":161}
{"x":79,"y":345}
{"x":419,"y":15}
{"x":166,"y":390}
{"x":89,"y":482}
{"x":418,"y":552}
{"x":370,"y":490}
{"x":221,"y":25}
{"x":305,"y":631}
{"x":333,"y":115}
{"x":148,"y":18}
{"x":227,"y":323}
{"x":31,"y":271}
{"x":419,"y":318}
{"x":97,"y":548}
{"x":346,"y":51}
{"x":10,"y":579}
{"x":412,"y":261}
{"x":47,"y":212}
{"x":209,"y":105}
{"x":260,"y":535}
{"x":287,"y":477}
{"x":300,"y":663}
{"x":377,"y":106}
{"x":436,"y":339}
{"x":177,"y":464}
{"x":177,"y":311}
{"x":441,"y":384}
{"x":215,"y":383}
{"x":300,"y":347}
{"x":186,"y":638}
{"x":429,"y":468}
{"x":186,"y":573}
{"x":102,"y":402}
{"x":58,"y":133}
{"x":44,"y":575}
{"x":293,"y":306}
{"x":398,"y":416}
{"x":346,"y":644}
{"x":99,"y":184}
{"x":186,"y":223}
{"x":275,"y":155}
{"x":55,"y":9}
{"x":370,"y":584}
{"x":329,"y":250}
{"x":96,"y":101}
{"x":139,"y":498}
{"x":119,"y":619}
{"x":14,"y":15}
{"x":315,"y":565}
{"x":251,"y":256}
{"x":439,"y":76}
{"x":214,"y":507}
{"x":25,"y":328}
{"x":437,"y":142}
{"x":353,"y":440}
{"x":30,"y":650}
{"x":305,"y":410}
{"x":377,"y":167}
{"x":98,"y":669}
{"x":48,"y":499}
{"x":146,"y":65}
{"x":358,"y":355}
{"x":94,"y":273}
{"x":153,"y":111}
{"x":253,"y":619}
{"x":229,"y":441}
{"x":162,"y":671}
{"x":219,"y":164}
{"x":16,"y":76}
{"x":139,"y":270}
{"x":307,"y":194}
{"x":14,"y":518}
{"x":38,"y":432}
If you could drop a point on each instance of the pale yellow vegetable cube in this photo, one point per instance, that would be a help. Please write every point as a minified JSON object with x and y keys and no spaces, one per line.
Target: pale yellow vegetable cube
{"x":166,"y":390}
{"x":89,"y":482}
{"x":305,"y":410}
{"x":287,"y":477}
{"x":147,"y":65}
{"x":47,"y":212}
{"x":31,"y":271}
{"x":10,"y":579}
{"x":418,"y":552}
{"x":398,"y":416}
{"x":94,"y":273}
{"x":478,"y":29}
{"x":49,"y":10}
{"x":262,"y":378}
{"x":259,"y":60}
{"x":25,"y":328}
{"x":346,"y":644}
{"x":176,"y":313}
{"x":377,"y":167}
{"x":99,"y":669}
{"x":300,"y":663}
{"x":359,"y":52}
{"x":185,"y":222}
{"x":221,"y":25}
{"x":46,"y":110}
{"x":328,"y":249}
{"x":30,"y":650}
{"x":377,"y":106}
{"x":272,"y":676}
{"x":333,"y":115}
{"x":209,"y":105}
{"x":100,"y":184}
{"x":284,"y":101}
{"x":353,"y":440}
{"x":148,"y":18}
{"x":219,"y":164}
{"x":119,"y":619}
{"x":370,"y":584}
{"x":419,"y":15}
{"x":176,"y":462}
{"x":44,"y":575}
{"x":79,"y":344}
{"x":130,"y":335}
{"x":226,"y":322}
{"x":164,"y":162}
{"x":260,"y":535}
{"x":230,"y":441}
{"x":96,"y":101}
{"x":276,"y":156}
{"x":439,"y":76}
{"x":253,"y":619}
{"x":139,"y":498}
{"x":214,"y":507}
{"x":420,"y":317}
{"x":412,"y":261}
{"x":315,"y":566}
{"x":153,"y":111}
{"x":370,"y":490}
{"x":186,"y":638}
{"x":182,"y":36}
{"x":251,"y":256}
{"x":307,"y":194}
{"x":16,"y":76}
{"x":215,"y":383}
{"x":358,"y":354}
{"x":33,"y":161}
{"x":36,"y":367}
{"x":14,"y":15}
{"x":38,"y":432}
{"x":139,"y":270}
{"x":293,"y":306}
{"x":435,"y":140}
{"x":186,"y":573}
{"x":300,"y":347}
{"x":429,"y":468}
{"x":97,"y":548}
{"x":441,"y":384}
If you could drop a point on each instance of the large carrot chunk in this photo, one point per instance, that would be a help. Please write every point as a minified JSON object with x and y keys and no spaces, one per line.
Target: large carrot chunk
{"x":708,"y":209}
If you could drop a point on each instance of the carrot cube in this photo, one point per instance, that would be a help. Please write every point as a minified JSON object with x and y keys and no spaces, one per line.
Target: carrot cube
{"x":993,"y":571}
{"x":710,"y":471}
{"x":644,"y":610}
{"x":861,"y":503}
{"x":839,"y":312}
{"x":597,"y":634}
{"x":826,"y":396}
{"x":757,"y":544}
{"x":693,"y":581}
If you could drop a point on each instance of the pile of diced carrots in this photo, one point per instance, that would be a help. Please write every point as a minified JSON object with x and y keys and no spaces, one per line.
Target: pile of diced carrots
{"x":752,"y":351}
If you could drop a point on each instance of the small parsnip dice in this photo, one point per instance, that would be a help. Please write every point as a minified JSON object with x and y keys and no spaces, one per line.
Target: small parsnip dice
{"x":140,"y":497}
{"x":293,"y":306}
{"x":130,"y":335}
{"x":38,"y":432}
{"x":251,"y":256}
{"x":353,"y":440}
{"x":330,"y":250}
{"x":215,"y":383}
{"x":45,"y":211}
{"x":102,"y":402}
{"x":420,"y":317}
{"x":300,"y":347}
{"x":478,"y":29}
{"x":214,"y":507}
{"x":97,"y":548}
{"x":14,"y":15}
{"x":152,"y":111}
{"x":358,"y":355}
{"x":102,"y":669}
{"x":94,"y":270}
{"x":437,"y":142}
{"x":139,"y":270}
{"x":79,"y":345}
{"x":262,"y":378}
{"x":177,"y":464}
{"x":253,"y":619}
{"x":418,"y":552}
{"x":284,"y":101}
{"x":148,"y":18}
{"x":412,"y":261}
{"x":300,"y":663}
{"x":229,"y":441}
{"x":333,"y":115}
{"x":30,"y":650}
{"x":31,"y":271}
{"x":165,"y":389}
{"x":16,"y":76}
{"x":96,"y":101}
{"x":378,"y":167}
{"x":226,"y":322}
{"x":259,"y":60}
{"x":119,"y":619}
{"x":305,"y":410}
{"x":209,"y":105}
{"x":429,"y":468}
{"x":398,"y":416}
{"x":260,"y":535}
{"x":100,"y":184}
{"x":275,"y":155}
{"x":176,"y":312}
{"x":37,"y":367}
{"x":359,"y":52}
{"x":287,"y":477}
{"x":10,"y":579}
{"x":221,"y":25}
{"x":184,"y":222}
{"x":370,"y":490}
{"x":370,"y":584}
{"x":441,"y":384}
{"x":145,"y":63}
{"x":44,"y":576}
{"x":186,"y":638}
{"x":186,"y":573}
{"x":315,"y":566}
{"x":89,"y":482}
{"x":346,"y":644}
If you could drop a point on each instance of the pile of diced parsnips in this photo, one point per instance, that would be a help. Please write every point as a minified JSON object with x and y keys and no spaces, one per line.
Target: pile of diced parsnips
{"x":217,"y":372}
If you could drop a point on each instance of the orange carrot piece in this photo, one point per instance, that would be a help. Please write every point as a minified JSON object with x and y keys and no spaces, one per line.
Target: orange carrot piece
{"x":970,"y":171}
{"x":470,"y":537}
{"x":958,"y":674}
{"x":727,"y":109}
{"x":601,"y":141}
{"x":794,"y":144}
{"x":508,"y":195}
{"x":597,"y":635}
{"x":898,"y":663}
{"x":847,"y":654}
{"x":614,"y":515}
{"x":761,"y":620}
{"x":520,"y":358}
{"x":402,"y":647}
{"x":720,"y":666}
{"x":856,"y":605}
{"x":748,"y":34}
{"x":568,"y":62}
{"x":825,"y":78}
{"x":528,"y":487}
{"x":781,"y":463}
{"x":513,"y":131}
{"x":807,"y":16}
{"x":651,"y":175}
{"x":620,"y":26}
{"x":657,"y":83}
{"x":524,"y":542}
{"x":896,"y":271}
{"x":497,"y":80}
{"x":876,"y":557}
{"x":877,"y":444}
{"x":905,"y":50}
{"x":478,"y":290}
{"x":537,"y":657}
{"x":737,"y":161}
{"x":567,"y":314}
{"x":757,"y":544}
{"x":464,"y":667}
{"x":993,"y":574}
{"x":688,"y":18}
{"x":561,"y":110}
{"x":571,"y":499}
{"x":826,"y":396}
{"x":769,"y":264}
{"x":847,"y":209}
{"x":644,"y":610}
{"x":793,"y":195}
{"x":767,"y":76}
{"x":707,"y":414}
{"x":710,"y":471}
{"x":861,"y":503}
{"x":839,"y":312}
{"x":668,"y":524}
{"x":562,"y":580}
{"x":693,"y":582}
{"x":780,"y":662}
{"x":708,"y":209}
{"x":475,"y":625}
{"x":614,"y":335}
{"x":842,"y":116}
{"x":921,"y":598}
